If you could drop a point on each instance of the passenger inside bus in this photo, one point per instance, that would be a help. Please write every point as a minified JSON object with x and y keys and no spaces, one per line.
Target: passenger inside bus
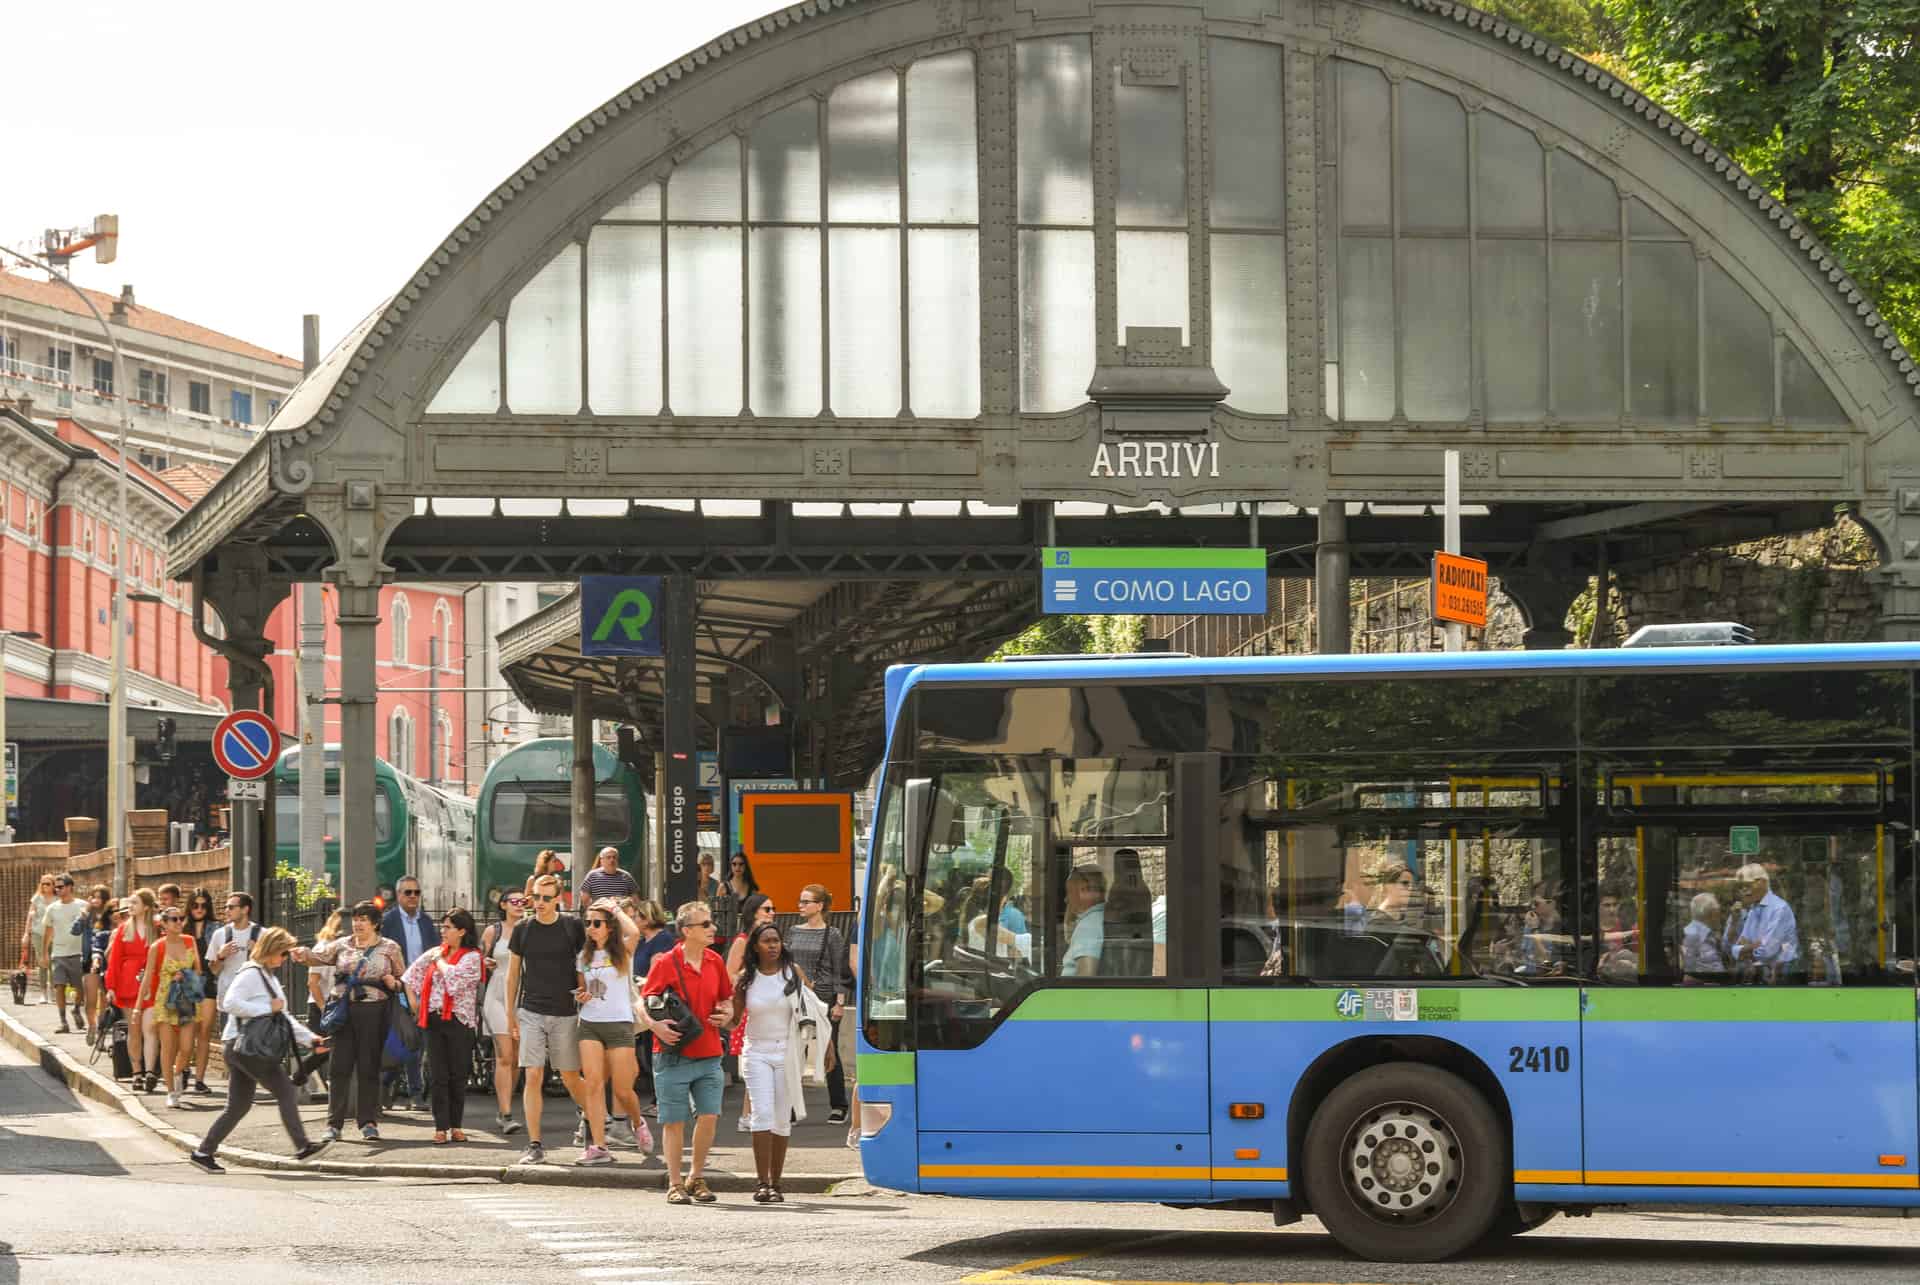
{"x":1762,"y":938}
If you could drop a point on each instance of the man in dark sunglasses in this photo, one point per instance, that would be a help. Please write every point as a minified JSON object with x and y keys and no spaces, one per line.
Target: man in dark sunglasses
{"x":542,"y":1014}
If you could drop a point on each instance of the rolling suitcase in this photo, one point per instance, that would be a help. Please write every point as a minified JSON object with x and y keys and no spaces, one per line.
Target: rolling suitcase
{"x":122,"y":1058}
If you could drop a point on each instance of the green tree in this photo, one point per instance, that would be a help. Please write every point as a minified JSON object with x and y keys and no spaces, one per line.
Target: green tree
{"x":1818,"y":99}
{"x":1075,"y":635}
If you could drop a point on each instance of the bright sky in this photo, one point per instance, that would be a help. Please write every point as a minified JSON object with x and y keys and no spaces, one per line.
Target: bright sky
{"x":270,"y":160}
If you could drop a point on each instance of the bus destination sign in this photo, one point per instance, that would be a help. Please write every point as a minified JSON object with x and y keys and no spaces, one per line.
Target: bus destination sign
{"x":1185,"y":582}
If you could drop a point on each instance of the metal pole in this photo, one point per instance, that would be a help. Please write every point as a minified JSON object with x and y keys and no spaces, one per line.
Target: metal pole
{"x":357,"y":611}
{"x":1333,"y":581}
{"x":582,"y":811}
{"x":312,"y":679}
{"x":1456,"y":634}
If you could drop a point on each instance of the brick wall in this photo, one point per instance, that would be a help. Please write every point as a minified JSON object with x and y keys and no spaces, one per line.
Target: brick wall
{"x":21,"y":865}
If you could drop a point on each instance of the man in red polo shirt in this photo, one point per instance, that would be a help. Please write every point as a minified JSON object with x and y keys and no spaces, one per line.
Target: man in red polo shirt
{"x":687,"y":1080}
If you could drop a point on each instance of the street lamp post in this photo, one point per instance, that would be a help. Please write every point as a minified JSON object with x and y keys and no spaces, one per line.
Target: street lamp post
{"x":60,"y":249}
{"x":12,"y":764}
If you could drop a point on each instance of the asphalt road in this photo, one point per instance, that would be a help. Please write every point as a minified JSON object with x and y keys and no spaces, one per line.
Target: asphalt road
{"x":88,"y":1196}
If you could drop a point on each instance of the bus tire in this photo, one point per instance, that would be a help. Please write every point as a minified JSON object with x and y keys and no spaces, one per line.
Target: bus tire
{"x":1407,"y":1163}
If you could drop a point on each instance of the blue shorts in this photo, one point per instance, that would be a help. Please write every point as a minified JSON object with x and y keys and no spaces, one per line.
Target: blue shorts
{"x":677,"y":1079}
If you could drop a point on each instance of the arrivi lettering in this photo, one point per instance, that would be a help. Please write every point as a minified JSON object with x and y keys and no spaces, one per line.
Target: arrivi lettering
{"x":1156,"y":459}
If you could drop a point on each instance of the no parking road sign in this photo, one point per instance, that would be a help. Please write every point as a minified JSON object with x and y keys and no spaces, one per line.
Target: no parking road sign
{"x":246,"y":744}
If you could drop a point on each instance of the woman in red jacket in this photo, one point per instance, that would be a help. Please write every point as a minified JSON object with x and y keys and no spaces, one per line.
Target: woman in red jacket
{"x":126,"y":962}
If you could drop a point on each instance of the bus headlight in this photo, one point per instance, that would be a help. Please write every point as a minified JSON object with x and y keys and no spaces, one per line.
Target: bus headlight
{"x":874,"y":1117}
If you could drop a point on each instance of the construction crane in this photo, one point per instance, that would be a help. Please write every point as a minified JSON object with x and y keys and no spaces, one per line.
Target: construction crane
{"x":59,"y":246}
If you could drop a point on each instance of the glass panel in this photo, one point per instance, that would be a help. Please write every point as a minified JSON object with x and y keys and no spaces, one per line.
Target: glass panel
{"x":1513,"y":178}
{"x":865,"y":321}
{"x":863,"y":150}
{"x":1108,"y":798}
{"x":1150,"y":182}
{"x":1433,"y":160}
{"x":1739,"y":350}
{"x":1439,"y":362}
{"x":703,"y":320}
{"x":1767,"y":708}
{"x":783,"y":165}
{"x":1513,"y":324}
{"x":1586,"y":331}
{"x":1366,"y":328}
{"x":1366,"y":132}
{"x":1056,"y":130}
{"x":783,"y":301}
{"x":543,"y":339}
{"x":1584,"y":202}
{"x":1152,"y":272}
{"x":942,"y":171}
{"x":1056,"y":319}
{"x":1804,"y":396}
{"x":1248,"y":161}
{"x":540,"y":812}
{"x":643,"y":205}
{"x":1666,"y":335}
{"x":1643,"y":222}
{"x":943,"y":316}
{"x":1250,"y":321}
{"x":623,"y":321}
{"x":706,"y":187}
{"x":474,"y":384}
{"x":884,"y":995}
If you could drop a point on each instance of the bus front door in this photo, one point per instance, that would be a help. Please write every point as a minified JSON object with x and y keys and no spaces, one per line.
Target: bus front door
{"x":1054,"y":1058}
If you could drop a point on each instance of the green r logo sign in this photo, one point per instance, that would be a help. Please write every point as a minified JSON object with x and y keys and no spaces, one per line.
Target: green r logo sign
{"x":629,"y":612}
{"x":620,"y":615}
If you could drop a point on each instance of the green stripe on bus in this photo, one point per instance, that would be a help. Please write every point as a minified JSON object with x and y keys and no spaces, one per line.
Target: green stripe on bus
{"x":883,"y":1068}
{"x":1750,"y":1004}
{"x":1434,"y":1004}
{"x":1099,"y":1004}
{"x":1155,"y":559}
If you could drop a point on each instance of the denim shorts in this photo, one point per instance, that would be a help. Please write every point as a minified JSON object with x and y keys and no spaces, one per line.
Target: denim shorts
{"x":676,"y":1079}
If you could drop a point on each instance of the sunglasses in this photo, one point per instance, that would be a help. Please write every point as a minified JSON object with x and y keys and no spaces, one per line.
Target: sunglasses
{"x":599,"y":923}
{"x":173,"y":919}
{"x":514,"y":901}
{"x":546,"y":896}
{"x":409,"y":892}
{"x":698,"y":923}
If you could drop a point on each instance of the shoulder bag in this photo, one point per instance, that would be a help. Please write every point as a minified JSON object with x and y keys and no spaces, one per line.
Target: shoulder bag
{"x":340,"y":1003}
{"x":266,"y":1038}
{"x":671,"y":1006}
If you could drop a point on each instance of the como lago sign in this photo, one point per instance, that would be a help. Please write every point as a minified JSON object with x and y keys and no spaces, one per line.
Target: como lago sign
{"x":1185,"y":582}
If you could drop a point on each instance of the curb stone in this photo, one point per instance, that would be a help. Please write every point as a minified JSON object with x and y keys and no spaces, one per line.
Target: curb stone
{"x":89,"y":1083}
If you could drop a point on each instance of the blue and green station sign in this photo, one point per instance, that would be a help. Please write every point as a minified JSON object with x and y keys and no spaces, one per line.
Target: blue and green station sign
{"x":1177,"y":582}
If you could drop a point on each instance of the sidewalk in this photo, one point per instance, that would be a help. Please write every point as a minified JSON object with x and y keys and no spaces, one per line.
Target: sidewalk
{"x":817,"y":1157}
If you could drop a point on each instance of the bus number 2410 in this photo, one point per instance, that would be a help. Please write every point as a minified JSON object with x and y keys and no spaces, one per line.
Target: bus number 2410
{"x":1539,"y":1057}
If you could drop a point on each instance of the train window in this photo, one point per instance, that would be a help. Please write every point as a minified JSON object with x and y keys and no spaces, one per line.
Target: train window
{"x":286,"y":815}
{"x":538,"y":812}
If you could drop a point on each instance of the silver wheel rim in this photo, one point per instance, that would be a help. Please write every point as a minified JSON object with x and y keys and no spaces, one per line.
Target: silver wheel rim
{"x":1403,"y":1163}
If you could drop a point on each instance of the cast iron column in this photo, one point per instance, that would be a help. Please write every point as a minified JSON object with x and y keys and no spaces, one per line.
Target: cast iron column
{"x":681,"y":777}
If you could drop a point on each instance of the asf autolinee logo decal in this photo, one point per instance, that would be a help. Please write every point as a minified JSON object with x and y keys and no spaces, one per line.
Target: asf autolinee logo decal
{"x":1350,"y":1004}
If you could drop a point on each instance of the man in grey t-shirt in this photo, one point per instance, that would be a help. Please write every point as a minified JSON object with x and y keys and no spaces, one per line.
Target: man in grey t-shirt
{"x":62,"y":929}
{"x":230,"y":944}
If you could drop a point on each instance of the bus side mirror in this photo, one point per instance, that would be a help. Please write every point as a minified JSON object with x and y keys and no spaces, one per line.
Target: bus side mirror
{"x":919,"y":818}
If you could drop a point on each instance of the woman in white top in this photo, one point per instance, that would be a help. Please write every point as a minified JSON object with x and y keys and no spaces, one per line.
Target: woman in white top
{"x":31,"y":943}
{"x":493,"y":1007}
{"x":766,"y":992}
{"x":256,"y":993}
{"x":607,"y":1023}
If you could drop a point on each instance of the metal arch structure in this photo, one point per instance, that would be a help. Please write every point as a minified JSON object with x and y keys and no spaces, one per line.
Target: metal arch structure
{"x":359,"y":482}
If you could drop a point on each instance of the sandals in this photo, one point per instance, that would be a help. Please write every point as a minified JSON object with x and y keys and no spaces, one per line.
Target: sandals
{"x":439,"y":1138}
{"x":762,"y":1194}
{"x":677,"y":1195}
{"x":459,"y":1135}
{"x":774,"y":1197}
{"x":698,"y":1189}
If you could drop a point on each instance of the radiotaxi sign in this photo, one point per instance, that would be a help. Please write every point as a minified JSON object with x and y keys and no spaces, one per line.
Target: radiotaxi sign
{"x":1183,"y":582}
{"x":1460,"y":590}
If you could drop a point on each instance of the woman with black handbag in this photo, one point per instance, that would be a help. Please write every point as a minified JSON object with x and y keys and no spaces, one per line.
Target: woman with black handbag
{"x":369,"y":967}
{"x":258,"y":1032}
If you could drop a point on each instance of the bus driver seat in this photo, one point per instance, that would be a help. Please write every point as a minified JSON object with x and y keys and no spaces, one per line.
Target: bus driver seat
{"x":1126,"y":949}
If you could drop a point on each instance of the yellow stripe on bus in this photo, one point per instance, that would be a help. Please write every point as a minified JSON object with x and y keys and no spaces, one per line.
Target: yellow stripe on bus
{"x":1134,"y":1173}
{"x":1663,"y":1178}
{"x":1547,"y":1175}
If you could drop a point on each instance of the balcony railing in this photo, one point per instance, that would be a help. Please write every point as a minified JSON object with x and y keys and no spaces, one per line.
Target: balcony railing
{"x":60,"y":389}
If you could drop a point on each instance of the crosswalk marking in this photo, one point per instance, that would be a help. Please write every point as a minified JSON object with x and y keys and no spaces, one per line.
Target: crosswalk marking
{"x":603,"y":1257}
{"x":602,"y":1273}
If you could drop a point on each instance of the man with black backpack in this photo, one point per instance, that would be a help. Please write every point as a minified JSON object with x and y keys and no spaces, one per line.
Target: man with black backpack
{"x":687,"y":998}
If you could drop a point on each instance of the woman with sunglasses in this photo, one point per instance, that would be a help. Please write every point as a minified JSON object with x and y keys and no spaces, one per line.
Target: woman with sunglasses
{"x":446,"y":982}
{"x":200,"y":926}
{"x":31,"y":945}
{"x":369,"y":967}
{"x":173,"y":956}
{"x":125,"y":967}
{"x":608,"y":1013}
{"x":506,"y":1050}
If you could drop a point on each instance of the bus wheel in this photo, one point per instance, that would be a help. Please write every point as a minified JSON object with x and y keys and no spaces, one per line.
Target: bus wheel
{"x":1406,"y":1163}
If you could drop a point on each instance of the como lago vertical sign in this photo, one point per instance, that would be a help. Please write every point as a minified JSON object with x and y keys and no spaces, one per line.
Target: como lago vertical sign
{"x":1185,"y":582}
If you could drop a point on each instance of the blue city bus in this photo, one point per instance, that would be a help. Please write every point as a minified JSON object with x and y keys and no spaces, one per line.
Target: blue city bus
{"x":1433,"y":947}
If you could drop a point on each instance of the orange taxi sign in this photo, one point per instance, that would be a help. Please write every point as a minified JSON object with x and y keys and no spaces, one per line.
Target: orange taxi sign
{"x":1460,"y":590}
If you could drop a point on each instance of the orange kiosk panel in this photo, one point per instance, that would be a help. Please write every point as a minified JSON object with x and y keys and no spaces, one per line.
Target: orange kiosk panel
{"x":794,"y":839}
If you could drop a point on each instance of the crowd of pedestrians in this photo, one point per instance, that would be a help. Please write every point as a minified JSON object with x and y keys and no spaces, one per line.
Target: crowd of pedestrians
{"x":619,"y":1000}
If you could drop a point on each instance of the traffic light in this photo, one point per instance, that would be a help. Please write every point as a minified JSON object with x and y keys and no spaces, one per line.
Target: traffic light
{"x":163,"y":728}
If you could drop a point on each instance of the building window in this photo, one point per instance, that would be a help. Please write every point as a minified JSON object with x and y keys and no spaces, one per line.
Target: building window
{"x":153,"y":460}
{"x":103,"y":376}
{"x":199,"y":397}
{"x":444,"y":764}
{"x":242,"y":407}
{"x":273,"y":407}
{"x":401,"y":615}
{"x":153,"y":387}
{"x":10,"y":355}
{"x":400,"y":741}
{"x":443,"y":630}
{"x":60,"y":362}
